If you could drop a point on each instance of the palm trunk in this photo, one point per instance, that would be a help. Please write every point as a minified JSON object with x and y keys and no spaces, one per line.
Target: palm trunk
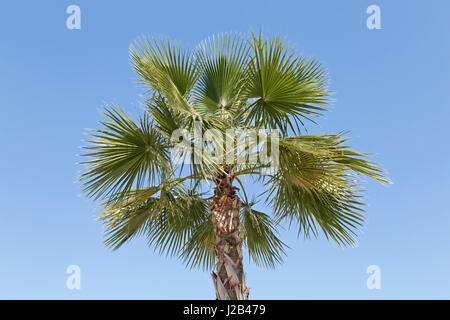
{"x":229,"y":281}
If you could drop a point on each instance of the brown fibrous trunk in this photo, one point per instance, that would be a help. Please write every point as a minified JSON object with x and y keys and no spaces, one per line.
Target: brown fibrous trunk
{"x":229,"y":278}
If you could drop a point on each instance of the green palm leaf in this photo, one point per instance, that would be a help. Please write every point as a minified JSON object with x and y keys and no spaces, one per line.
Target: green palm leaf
{"x":222,"y":64}
{"x":125,"y":155}
{"x":316,"y":186}
{"x":168,"y":215}
{"x":166,"y":69}
{"x":260,"y":237}
{"x":285,"y":88}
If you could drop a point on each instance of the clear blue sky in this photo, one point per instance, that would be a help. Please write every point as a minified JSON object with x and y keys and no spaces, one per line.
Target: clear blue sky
{"x":391,"y":91}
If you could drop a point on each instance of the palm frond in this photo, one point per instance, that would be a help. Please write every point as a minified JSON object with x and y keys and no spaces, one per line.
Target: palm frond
{"x":180,"y":213}
{"x":317,"y":186}
{"x":199,"y":249}
{"x":332,"y":148}
{"x":128,"y":216}
{"x":285,"y":88}
{"x":222,"y":62}
{"x":259,"y":235}
{"x":174,"y":220}
{"x":167,"y":119}
{"x":166,"y":69}
{"x":124,"y":155}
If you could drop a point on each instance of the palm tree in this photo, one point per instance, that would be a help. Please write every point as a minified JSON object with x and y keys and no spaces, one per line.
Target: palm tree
{"x":197,"y":209}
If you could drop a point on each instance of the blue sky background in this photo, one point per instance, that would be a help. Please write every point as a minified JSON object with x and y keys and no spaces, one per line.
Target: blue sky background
{"x":391,"y":91}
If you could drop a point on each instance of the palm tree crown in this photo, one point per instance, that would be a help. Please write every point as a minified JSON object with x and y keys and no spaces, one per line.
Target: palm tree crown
{"x":227,"y":82}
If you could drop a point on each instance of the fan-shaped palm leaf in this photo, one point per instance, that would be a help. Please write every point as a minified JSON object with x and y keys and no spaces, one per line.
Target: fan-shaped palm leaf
{"x":125,"y":154}
{"x":285,"y":87}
